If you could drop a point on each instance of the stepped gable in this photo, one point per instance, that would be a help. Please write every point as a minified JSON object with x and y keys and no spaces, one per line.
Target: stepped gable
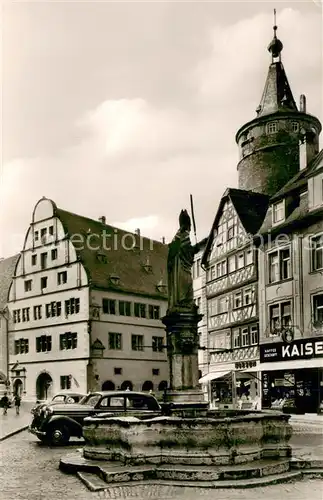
{"x":136,"y":270}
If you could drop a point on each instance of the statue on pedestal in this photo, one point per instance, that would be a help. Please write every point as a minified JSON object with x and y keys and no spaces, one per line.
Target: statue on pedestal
{"x":179,"y":267}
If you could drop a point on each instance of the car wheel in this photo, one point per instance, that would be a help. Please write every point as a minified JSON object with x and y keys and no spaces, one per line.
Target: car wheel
{"x":58,"y":435}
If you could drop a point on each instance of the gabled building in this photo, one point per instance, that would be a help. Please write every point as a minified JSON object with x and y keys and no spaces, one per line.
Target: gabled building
{"x":85,"y":305}
{"x":231,"y":294}
{"x":7,"y":267}
{"x":199,"y":282}
{"x":291,"y":302}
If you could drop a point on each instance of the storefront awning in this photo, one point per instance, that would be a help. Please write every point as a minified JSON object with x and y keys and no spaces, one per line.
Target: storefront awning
{"x":212,"y":376}
{"x":295,"y":364}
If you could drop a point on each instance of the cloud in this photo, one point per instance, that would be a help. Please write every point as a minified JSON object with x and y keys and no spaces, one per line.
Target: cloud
{"x":136,"y":156}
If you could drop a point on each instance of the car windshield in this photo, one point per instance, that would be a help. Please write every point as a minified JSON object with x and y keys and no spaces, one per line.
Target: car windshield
{"x":90,"y":400}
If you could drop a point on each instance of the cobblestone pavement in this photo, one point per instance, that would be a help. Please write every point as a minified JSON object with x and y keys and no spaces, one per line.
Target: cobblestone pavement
{"x":29,"y":471}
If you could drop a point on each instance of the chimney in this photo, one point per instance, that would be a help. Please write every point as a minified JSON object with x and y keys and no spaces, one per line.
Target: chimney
{"x":163,"y":240}
{"x":303,"y":150}
{"x":137,"y":231}
{"x":302,"y":103}
{"x":102,"y":219}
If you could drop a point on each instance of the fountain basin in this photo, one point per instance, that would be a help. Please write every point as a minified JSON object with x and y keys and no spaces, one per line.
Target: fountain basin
{"x":211,"y":440}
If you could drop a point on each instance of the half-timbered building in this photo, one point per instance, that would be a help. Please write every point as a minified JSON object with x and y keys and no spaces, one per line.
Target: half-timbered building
{"x":231,"y":292}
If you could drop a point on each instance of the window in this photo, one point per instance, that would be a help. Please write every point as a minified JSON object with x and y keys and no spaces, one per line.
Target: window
{"x":43,"y":282}
{"x":223,"y":305}
{"x":51,"y":230}
{"x":254,"y":335}
{"x":37,"y":312}
{"x":36,"y":235}
{"x":44,"y":343}
{"x":43,"y":260}
{"x":21,"y":346}
{"x":65,"y":381}
{"x":109,"y":306}
{"x":155,"y":371}
{"x":62,"y":278}
{"x":115,"y":341}
{"x":198,"y":302}
{"x":68,"y":340}
{"x":279,"y":264}
{"x":249,"y":257}
{"x":237,"y":300}
{"x":295,"y":126}
{"x":212,"y":273}
{"x":33,"y":259}
{"x":54,"y":254}
{"x":72,"y":306}
{"x":247,"y":296}
{"x":240,"y":260}
{"x":230,"y":233}
{"x":25,"y":314}
{"x":53,"y":309}
{"x":117,"y":371}
{"x":280,"y":317}
{"x":140,"y":310}
{"x":137,"y":342}
{"x":16,"y":316}
{"x":231,"y":263}
{"x":318,"y":310}
{"x":154,"y":312}
{"x":158,"y":344}
{"x":272,"y":127}
{"x":28,"y":284}
{"x":317,"y":252}
{"x":124,"y":308}
{"x":43,"y":233}
{"x":244,"y":337}
{"x":278,"y":212}
{"x":236,"y":338}
{"x":221,"y":269}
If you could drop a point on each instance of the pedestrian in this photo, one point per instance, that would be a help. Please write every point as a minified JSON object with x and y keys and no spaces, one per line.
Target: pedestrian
{"x":5,"y":403}
{"x":17,"y":403}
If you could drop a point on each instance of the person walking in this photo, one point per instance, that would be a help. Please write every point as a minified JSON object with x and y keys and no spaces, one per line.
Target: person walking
{"x":5,"y":403}
{"x":17,"y":403}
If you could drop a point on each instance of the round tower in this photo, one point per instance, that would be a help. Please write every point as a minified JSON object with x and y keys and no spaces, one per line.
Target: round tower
{"x":269,"y":144}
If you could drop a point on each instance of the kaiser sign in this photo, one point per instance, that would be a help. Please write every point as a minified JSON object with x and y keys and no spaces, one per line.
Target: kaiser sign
{"x":299,"y":349}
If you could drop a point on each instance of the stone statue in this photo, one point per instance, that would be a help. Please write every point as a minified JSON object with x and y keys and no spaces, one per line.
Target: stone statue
{"x":179,"y":267}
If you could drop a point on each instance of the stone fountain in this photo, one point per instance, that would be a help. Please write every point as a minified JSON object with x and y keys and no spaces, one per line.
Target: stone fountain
{"x":189,"y":443}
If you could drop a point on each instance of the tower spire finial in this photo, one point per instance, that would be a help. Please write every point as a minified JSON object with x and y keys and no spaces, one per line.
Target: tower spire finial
{"x":275,"y":46}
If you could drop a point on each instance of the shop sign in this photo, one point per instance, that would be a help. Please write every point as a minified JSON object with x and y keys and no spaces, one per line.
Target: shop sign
{"x":299,"y":349}
{"x":242,"y":365}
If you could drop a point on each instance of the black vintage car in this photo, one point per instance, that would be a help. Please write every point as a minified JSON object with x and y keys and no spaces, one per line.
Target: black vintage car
{"x":55,"y":424}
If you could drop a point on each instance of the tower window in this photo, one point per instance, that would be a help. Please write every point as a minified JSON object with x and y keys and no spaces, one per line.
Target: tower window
{"x":272,"y":127}
{"x":295,"y":126}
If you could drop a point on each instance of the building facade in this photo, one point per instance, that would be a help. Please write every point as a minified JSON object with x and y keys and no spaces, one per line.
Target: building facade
{"x":84,"y":307}
{"x":199,"y":283}
{"x":231,"y":294}
{"x":291,"y":299}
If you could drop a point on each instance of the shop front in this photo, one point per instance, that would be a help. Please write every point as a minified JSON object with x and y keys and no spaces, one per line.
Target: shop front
{"x":292,"y":375}
{"x":229,"y":386}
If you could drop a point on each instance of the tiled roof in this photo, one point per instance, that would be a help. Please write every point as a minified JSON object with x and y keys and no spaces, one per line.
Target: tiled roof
{"x":277,"y":95}
{"x":7,"y":269}
{"x":250,"y":207}
{"x":140,"y":270}
{"x":299,"y":180}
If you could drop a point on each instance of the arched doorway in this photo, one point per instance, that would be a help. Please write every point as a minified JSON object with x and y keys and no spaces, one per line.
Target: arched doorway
{"x":147,"y":386}
{"x":17,"y":387}
{"x":44,"y":384}
{"x":126,"y":385}
{"x":163,"y":385}
{"x":108,"y":386}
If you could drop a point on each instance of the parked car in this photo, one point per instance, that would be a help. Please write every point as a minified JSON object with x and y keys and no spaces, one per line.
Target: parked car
{"x":56,"y":423}
{"x":62,"y":397}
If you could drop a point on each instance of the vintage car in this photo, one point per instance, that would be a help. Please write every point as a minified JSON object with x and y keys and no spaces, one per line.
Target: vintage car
{"x":62,"y":397}
{"x":56,"y":423}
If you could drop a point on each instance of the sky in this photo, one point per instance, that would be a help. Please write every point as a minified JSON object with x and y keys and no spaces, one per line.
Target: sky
{"x":123,"y":109}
